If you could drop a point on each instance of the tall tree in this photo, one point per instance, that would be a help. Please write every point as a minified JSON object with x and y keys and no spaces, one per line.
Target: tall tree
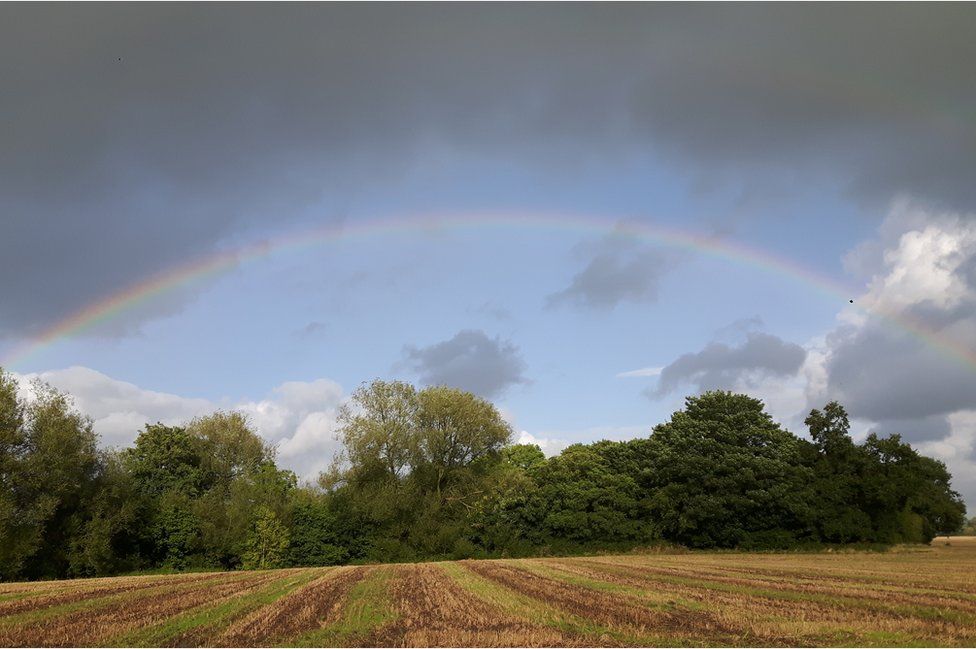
{"x":840,"y":468}
{"x":229,"y":447}
{"x":58,"y":473}
{"x":267,"y":543}
{"x":377,"y":429}
{"x":454,"y":431}
{"x":727,"y":475}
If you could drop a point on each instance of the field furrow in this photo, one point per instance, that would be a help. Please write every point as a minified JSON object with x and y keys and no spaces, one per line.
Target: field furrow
{"x":617,"y":614}
{"x":195,"y":626}
{"x":117,"y":614}
{"x":781,"y":619}
{"x":432,"y":610}
{"x":923,"y":596}
{"x":312,"y":606}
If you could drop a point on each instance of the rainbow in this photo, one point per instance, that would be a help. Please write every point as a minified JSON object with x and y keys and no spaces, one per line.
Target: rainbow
{"x":713,"y":246}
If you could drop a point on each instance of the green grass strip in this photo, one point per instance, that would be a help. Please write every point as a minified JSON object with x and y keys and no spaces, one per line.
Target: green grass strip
{"x":12,"y":597}
{"x":211,"y":618}
{"x":368,"y":607}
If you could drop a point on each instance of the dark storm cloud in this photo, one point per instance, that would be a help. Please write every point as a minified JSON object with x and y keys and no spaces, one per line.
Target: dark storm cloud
{"x":471,"y":360}
{"x":719,"y":366}
{"x":881,"y":93}
{"x":889,"y":377}
{"x":220,"y":116}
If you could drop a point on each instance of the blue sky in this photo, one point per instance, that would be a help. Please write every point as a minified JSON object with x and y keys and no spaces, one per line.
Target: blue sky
{"x":120,"y":170}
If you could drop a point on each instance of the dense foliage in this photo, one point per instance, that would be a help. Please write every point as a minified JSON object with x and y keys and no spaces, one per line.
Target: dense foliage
{"x":432,"y":473}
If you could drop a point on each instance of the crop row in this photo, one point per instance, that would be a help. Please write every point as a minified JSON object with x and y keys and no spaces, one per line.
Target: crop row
{"x":926,"y":597}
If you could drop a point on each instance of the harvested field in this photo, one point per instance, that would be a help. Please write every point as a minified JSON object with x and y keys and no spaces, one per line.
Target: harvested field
{"x":913,"y":596}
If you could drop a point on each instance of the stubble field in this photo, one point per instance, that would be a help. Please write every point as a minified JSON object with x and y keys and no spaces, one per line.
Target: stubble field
{"x":924,"y":596}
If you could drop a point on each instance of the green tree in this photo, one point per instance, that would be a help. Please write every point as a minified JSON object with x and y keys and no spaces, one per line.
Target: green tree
{"x":507,"y":519}
{"x":726,"y":475}
{"x":830,"y":430}
{"x":21,"y":515}
{"x":166,"y":458}
{"x":377,"y":429}
{"x":840,"y":467}
{"x":267,"y":543}
{"x":969,"y":527}
{"x":455,"y":430}
{"x":587,"y":501}
{"x":317,"y":534}
{"x":228,"y":447}
{"x":239,"y":477}
{"x":166,"y":468}
{"x":56,"y":476}
{"x":111,"y":538}
{"x":908,"y":496}
{"x":527,"y":457}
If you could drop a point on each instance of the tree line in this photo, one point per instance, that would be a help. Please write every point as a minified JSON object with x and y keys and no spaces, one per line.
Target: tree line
{"x":430,"y":474}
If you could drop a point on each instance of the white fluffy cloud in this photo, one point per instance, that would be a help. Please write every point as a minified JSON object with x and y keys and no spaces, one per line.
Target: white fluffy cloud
{"x":549,"y":445}
{"x":553,"y":442}
{"x":298,"y":417}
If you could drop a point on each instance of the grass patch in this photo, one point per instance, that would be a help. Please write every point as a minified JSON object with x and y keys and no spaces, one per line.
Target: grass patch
{"x":368,"y":607}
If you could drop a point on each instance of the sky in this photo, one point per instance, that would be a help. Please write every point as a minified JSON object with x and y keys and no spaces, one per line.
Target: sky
{"x":583,"y":212}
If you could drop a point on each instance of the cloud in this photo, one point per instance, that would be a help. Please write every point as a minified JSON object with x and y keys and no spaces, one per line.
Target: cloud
{"x":114,"y":170}
{"x":549,"y":445}
{"x":817,"y":91}
{"x":471,"y":360}
{"x":118,"y":408}
{"x":919,"y":270}
{"x":719,"y":366}
{"x":617,"y":270}
{"x":298,"y":417}
{"x":958,"y":451}
{"x":641,"y":372}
